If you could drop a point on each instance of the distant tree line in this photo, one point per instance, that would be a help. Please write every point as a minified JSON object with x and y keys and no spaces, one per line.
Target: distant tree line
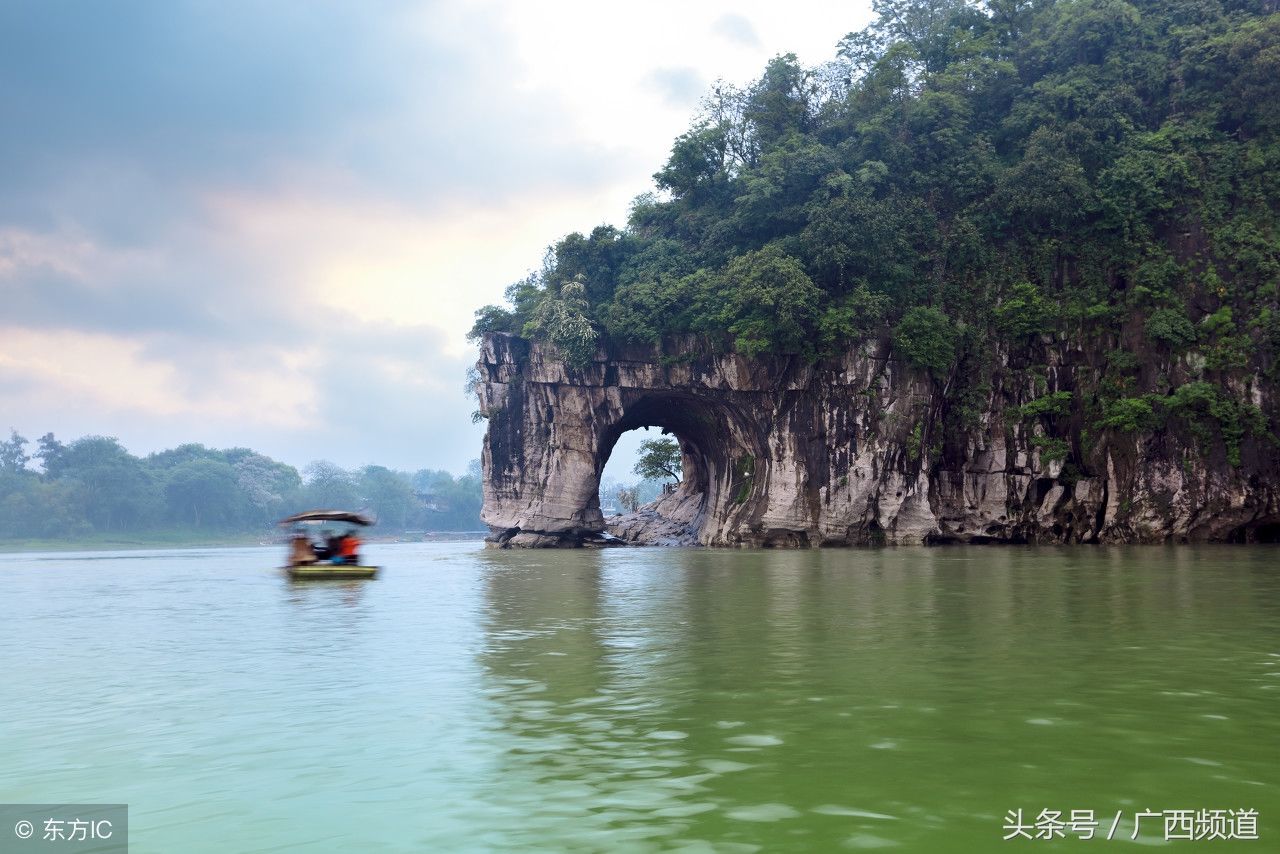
{"x":93,"y":486}
{"x":619,"y":497}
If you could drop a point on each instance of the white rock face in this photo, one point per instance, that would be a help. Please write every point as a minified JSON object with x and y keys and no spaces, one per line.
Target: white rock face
{"x":781,"y":452}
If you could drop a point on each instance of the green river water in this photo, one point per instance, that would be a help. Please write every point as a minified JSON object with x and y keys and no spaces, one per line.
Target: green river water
{"x":645,"y":699}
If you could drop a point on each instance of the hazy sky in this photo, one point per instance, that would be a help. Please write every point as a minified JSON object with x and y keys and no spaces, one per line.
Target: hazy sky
{"x":268,"y":224}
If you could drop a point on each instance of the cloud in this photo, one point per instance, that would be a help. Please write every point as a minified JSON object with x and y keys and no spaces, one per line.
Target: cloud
{"x":72,"y":280}
{"x":382,"y":405}
{"x":396,"y":401}
{"x":100,"y":372}
{"x":147,"y":103}
{"x":230,"y":219}
{"x":736,"y":28}
{"x":269,"y":224}
{"x":681,"y":87}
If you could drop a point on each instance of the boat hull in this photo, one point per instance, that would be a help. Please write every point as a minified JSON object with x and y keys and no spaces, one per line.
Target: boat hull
{"x":331,"y":570}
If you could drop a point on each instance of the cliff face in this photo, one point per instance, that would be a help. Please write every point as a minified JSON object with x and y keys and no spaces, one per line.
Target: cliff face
{"x":859,"y":450}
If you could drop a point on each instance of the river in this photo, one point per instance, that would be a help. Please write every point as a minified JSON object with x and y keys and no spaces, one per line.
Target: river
{"x":644,"y":699}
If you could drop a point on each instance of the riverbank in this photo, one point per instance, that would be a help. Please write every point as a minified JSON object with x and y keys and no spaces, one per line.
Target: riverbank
{"x":202,"y":540}
{"x":113,"y":542}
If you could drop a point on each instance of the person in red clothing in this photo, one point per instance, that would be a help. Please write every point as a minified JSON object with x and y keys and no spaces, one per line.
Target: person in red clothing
{"x":349,"y":549}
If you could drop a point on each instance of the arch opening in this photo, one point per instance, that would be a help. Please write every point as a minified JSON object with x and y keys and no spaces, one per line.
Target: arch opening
{"x":713,"y":442}
{"x":621,"y":486}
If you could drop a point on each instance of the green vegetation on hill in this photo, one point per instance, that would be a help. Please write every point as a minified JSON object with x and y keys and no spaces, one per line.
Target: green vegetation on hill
{"x":93,"y":488}
{"x":965,"y":179}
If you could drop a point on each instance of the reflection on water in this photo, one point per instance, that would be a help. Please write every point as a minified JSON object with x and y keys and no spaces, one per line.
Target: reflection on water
{"x":870,"y":698}
{"x":321,"y":594}
{"x":643,"y":699}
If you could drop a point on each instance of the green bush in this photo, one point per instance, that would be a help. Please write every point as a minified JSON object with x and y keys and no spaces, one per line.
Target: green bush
{"x":1170,"y":325}
{"x":1204,"y":408}
{"x":1052,"y":449}
{"x":854,"y":317}
{"x":768,"y":303}
{"x":1058,"y":403}
{"x":1025,"y":313}
{"x":927,"y":339}
{"x":563,"y":321}
{"x":1128,"y":414}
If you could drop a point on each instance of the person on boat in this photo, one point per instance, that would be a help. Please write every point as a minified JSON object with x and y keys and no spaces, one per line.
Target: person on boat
{"x":349,"y":549}
{"x":328,"y":548}
{"x":301,"y":551}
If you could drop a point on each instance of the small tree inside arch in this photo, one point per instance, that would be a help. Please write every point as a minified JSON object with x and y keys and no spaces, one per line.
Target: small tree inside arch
{"x":659,"y":459}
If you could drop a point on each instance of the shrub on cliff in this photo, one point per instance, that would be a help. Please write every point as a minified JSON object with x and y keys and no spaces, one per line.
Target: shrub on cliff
{"x":926,"y":338}
{"x":1025,"y":313}
{"x":563,"y":321}
{"x":1170,"y":326}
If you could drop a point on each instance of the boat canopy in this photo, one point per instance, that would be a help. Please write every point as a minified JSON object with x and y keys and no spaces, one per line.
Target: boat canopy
{"x":329,"y":516}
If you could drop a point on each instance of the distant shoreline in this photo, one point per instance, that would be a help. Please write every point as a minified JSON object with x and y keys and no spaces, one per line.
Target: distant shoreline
{"x":187,"y":540}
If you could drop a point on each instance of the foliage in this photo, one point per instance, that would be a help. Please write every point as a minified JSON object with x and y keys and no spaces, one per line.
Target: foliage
{"x":1171,"y":326}
{"x":927,"y":339}
{"x":445,"y":502}
{"x":563,"y":321}
{"x":1025,"y":312}
{"x":1058,"y":403}
{"x":93,"y":486}
{"x":769,"y":304}
{"x":1205,"y":409}
{"x":1209,"y":413}
{"x":969,"y":178}
{"x":390,"y":494}
{"x":630,"y":496}
{"x":1052,"y":448}
{"x":1005,"y":160}
{"x":744,"y":474}
{"x":856,"y":315}
{"x":1128,"y":414}
{"x":13,"y":454}
{"x":659,"y":458}
{"x":912,"y":443}
{"x":202,"y":493}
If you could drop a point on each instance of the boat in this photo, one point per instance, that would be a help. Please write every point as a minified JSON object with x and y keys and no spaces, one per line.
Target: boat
{"x":331,"y":570}
{"x":303,"y":562}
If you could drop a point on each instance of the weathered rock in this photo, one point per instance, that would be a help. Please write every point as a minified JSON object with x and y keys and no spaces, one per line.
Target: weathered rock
{"x":783,"y":452}
{"x":672,"y":520}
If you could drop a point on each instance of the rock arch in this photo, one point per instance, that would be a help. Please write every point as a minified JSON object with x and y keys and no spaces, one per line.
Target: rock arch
{"x":750,"y":433}
{"x":549,"y":439}
{"x":847,"y":451}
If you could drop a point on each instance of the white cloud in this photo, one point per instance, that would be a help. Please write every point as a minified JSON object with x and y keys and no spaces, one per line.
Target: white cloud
{"x":283,"y":246}
{"x":97,"y":372}
{"x":737,"y":28}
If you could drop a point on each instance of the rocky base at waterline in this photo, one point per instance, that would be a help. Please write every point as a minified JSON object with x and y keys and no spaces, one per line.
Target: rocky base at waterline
{"x":863,"y":449}
{"x":672,"y":520}
{"x":648,"y":527}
